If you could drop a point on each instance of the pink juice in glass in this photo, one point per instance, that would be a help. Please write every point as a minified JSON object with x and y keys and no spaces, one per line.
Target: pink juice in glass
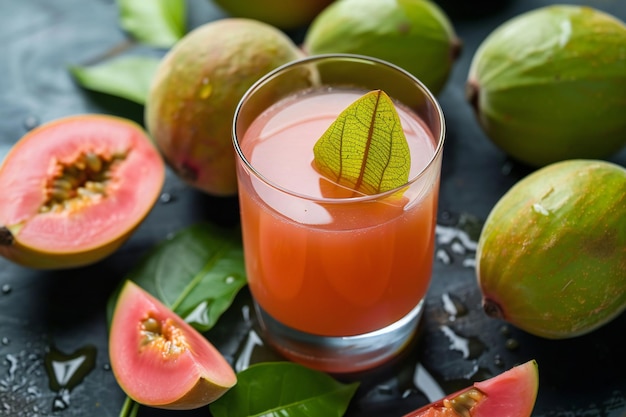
{"x":321,"y":259}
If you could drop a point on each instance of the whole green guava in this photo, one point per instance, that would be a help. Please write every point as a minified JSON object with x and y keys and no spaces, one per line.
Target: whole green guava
{"x":197,"y":86}
{"x":551,"y":258}
{"x":416,"y":35}
{"x":550,"y":85}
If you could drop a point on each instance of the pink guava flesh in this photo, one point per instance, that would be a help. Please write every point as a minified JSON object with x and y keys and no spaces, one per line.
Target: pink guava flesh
{"x":134,"y":186}
{"x":175,"y":367}
{"x":511,"y":394}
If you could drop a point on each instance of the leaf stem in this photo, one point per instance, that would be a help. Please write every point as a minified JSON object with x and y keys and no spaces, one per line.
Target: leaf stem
{"x":114,"y":51}
{"x":129,"y":409}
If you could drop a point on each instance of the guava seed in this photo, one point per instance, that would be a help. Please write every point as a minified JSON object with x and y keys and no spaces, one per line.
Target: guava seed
{"x":164,"y":336}
{"x":80,"y":181}
{"x":94,"y":163}
{"x":6,"y":237}
{"x":151,"y":325}
{"x":462,"y":405}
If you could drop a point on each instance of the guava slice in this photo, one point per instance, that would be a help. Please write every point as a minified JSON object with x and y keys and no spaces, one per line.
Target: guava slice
{"x":510,"y":394}
{"x":159,"y":360}
{"x":74,"y":189}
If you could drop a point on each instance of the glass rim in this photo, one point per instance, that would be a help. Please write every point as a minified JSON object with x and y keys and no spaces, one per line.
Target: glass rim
{"x":345,"y":56}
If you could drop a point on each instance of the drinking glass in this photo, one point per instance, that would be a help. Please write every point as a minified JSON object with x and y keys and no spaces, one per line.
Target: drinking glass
{"x":338,"y":278}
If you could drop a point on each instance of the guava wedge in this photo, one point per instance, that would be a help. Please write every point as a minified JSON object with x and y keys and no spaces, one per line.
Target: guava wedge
{"x":511,"y":394}
{"x":74,"y":189}
{"x":159,"y":360}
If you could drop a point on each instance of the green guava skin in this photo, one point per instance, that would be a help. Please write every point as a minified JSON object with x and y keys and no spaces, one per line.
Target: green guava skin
{"x":550,"y":85}
{"x":196,"y":88}
{"x":280,"y":13}
{"x":551,"y":258}
{"x":413,"y":34}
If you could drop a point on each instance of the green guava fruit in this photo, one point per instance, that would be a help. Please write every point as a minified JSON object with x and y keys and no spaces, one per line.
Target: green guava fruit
{"x":551,"y":258}
{"x":159,"y":360}
{"x":413,"y":34}
{"x":549,"y":85}
{"x":191,"y":103}
{"x":510,"y":394}
{"x":280,"y":13}
{"x":74,"y":190}
{"x":478,"y":8}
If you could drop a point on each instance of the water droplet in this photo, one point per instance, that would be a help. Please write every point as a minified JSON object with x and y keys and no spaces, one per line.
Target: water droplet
{"x":443,"y":256}
{"x":5,"y":341}
{"x":245,"y":313}
{"x":18,"y":389}
{"x":106,"y":367}
{"x":470,"y":347}
{"x":206,"y":89}
{"x":538,"y":208}
{"x":12,"y":360}
{"x":511,"y":344}
{"x":384,"y":389}
{"x":6,"y":289}
{"x":31,"y":122}
{"x":507,"y":168}
{"x":34,"y":391}
{"x":445,"y":216}
{"x":447,"y":235}
{"x":425,"y":382}
{"x":469,"y":262}
{"x":244,"y":358}
{"x":479,"y":374}
{"x":458,"y":248}
{"x":498,"y":361}
{"x":199,"y":315}
{"x":229,"y":279}
{"x":453,"y":306}
{"x":66,"y":371}
{"x":166,"y":198}
{"x":62,"y":400}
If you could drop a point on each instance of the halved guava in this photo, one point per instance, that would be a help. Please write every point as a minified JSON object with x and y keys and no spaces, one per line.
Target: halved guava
{"x":510,"y":394}
{"x":159,"y":360}
{"x":75,"y":188}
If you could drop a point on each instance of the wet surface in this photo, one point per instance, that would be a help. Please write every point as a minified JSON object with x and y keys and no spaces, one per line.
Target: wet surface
{"x":53,"y":336}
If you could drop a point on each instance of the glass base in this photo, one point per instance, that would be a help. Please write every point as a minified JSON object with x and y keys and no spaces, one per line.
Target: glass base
{"x":340,"y":354}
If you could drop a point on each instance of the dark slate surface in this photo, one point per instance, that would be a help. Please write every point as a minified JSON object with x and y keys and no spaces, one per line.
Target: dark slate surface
{"x":60,"y":315}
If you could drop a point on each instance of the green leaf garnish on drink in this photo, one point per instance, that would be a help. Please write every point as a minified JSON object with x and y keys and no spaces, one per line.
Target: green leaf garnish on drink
{"x":365,"y":148}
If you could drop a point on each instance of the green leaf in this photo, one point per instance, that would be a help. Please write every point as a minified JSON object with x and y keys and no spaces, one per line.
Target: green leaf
{"x":365,"y":148}
{"x":284,"y":389}
{"x":197,"y":273}
{"x":159,"y":23}
{"x":127,"y":77}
